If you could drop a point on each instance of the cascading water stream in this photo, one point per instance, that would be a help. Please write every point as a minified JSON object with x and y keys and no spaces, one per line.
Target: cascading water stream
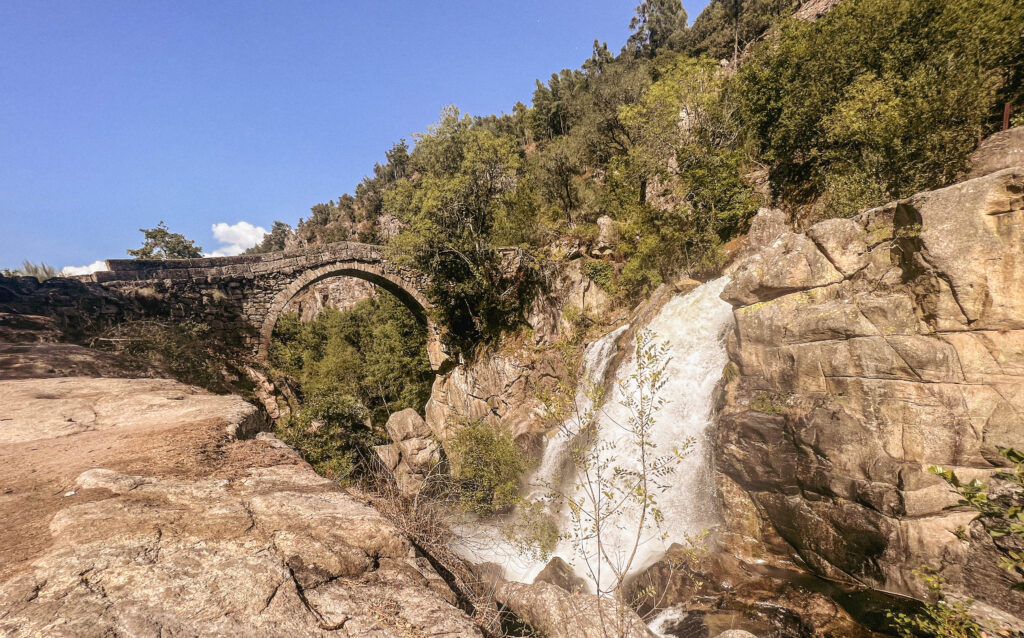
{"x":694,"y":326}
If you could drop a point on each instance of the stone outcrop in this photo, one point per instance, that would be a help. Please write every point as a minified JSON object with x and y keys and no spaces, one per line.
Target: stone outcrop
{"x":505,"y":386}
{"x":74,"y":308}
{"x":607,"y":237}
{"x":413,"y":454}
{"x":865,"y":351}
{"x":552,"y":611}
{"x":140,"y":507}
{"x":1001,"y":150}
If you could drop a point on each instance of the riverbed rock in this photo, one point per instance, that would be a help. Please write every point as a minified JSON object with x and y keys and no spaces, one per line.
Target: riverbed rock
{"x":865,"y":351}
{"x":560,"y":573}
{"x":413,"y":455}
{"x":557,"y":613}
{"x":138,"y":507}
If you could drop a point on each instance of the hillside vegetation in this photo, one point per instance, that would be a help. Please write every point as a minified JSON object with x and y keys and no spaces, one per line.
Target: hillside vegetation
{"x":679,"y":138}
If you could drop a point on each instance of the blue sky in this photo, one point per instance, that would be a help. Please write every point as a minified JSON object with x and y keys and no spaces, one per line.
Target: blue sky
{"x":116,"y":115}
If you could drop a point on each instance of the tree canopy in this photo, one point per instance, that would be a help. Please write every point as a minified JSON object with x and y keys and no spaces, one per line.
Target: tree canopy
{"x":161,"y":243}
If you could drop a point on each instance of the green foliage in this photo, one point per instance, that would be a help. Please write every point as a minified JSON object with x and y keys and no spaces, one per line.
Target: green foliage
{"x":161,"y":243}
{"x":333,"y":433}
{"x":273,"y":241}
{"x":353,"y":368}
{"x":709,"y":201}
{"x":657,"y":25}
{"x":601,"y":273}
{"x":486,"y":465}
{"x":726,"y":27}
{"x":374,"y":352}
{"x":466,"y":184}
{"x":1001,"y":509}
{"x":939,"y":617}
{"x":187,"y":350}
{"x":880,"y":98}
{"x":41,"y":271}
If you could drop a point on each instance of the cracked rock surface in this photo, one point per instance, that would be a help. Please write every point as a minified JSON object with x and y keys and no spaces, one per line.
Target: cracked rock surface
{"x":865,"y":351}
{"x":130,"y":507}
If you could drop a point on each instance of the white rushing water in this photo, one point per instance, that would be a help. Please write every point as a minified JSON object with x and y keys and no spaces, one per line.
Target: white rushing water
{"x":694,"y":326}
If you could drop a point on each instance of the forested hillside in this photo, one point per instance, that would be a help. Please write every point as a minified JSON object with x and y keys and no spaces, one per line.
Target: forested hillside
{"x":677,"y":139}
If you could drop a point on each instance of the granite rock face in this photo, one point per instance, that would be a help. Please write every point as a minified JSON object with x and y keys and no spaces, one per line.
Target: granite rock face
{"x":138,"y":507}
{"x":865,"y":351}
{"x":413,"y":454}
{"x":505,"y":386}
{"x":1001,"y":150}
{"x":335,"y":292}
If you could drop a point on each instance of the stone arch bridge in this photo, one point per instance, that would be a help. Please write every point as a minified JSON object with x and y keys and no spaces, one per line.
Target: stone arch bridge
{"x":247,"y":294}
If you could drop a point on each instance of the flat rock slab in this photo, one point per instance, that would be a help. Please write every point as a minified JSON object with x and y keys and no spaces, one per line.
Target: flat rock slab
{"x":131,"y":507}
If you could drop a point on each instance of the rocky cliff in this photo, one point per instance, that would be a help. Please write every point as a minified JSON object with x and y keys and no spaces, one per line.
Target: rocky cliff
{"x":506,"y":385}
{"x":866,"y":350}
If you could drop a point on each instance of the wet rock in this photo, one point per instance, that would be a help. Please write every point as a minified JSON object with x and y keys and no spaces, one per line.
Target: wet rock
{"x":559,"y":573}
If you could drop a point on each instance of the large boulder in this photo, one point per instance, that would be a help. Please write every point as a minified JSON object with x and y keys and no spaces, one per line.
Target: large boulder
{"x":414,"y":454}
{"x":607,"y":237}
{"x":866,"y":351}
{"x":553,"y":611}
{"x":1002,"y":150}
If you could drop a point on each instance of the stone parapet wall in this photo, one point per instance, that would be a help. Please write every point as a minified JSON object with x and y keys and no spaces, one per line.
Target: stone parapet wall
{"x":241,"y":297}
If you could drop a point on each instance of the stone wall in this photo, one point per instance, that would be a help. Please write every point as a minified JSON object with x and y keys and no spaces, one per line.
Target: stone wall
{"x":865,"y":351}
{"x":78,"y":309}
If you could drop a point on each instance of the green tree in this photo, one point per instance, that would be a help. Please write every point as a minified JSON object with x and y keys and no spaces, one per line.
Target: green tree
{"x":725,"y":27}
{"x":466,"y":183}
{"x":273,"y":241}
{"x":658,"y":25}
{"x":161,"y":243}
{"x":686,"y":135}
{"x":374,"y":352}
{"x":880,"y":98}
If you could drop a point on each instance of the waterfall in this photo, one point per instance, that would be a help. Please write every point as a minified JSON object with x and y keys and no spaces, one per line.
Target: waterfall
{"x":694,"y":326}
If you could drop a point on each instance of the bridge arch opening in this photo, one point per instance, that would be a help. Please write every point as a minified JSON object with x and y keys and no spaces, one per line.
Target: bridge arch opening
{"x":408,"y":295}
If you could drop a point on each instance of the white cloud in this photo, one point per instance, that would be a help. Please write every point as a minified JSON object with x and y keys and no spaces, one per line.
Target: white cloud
{"x":84,"y":270}
{"x":235,"y":238}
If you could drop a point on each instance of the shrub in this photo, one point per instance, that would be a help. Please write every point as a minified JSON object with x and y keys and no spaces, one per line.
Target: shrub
{"x":939,"y":617}
{"x":880,"y":98}
{"x":187,"y":350}
{"x":332,"y":432}
{"x":601,"y":273}
{"x":486,"y":465}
